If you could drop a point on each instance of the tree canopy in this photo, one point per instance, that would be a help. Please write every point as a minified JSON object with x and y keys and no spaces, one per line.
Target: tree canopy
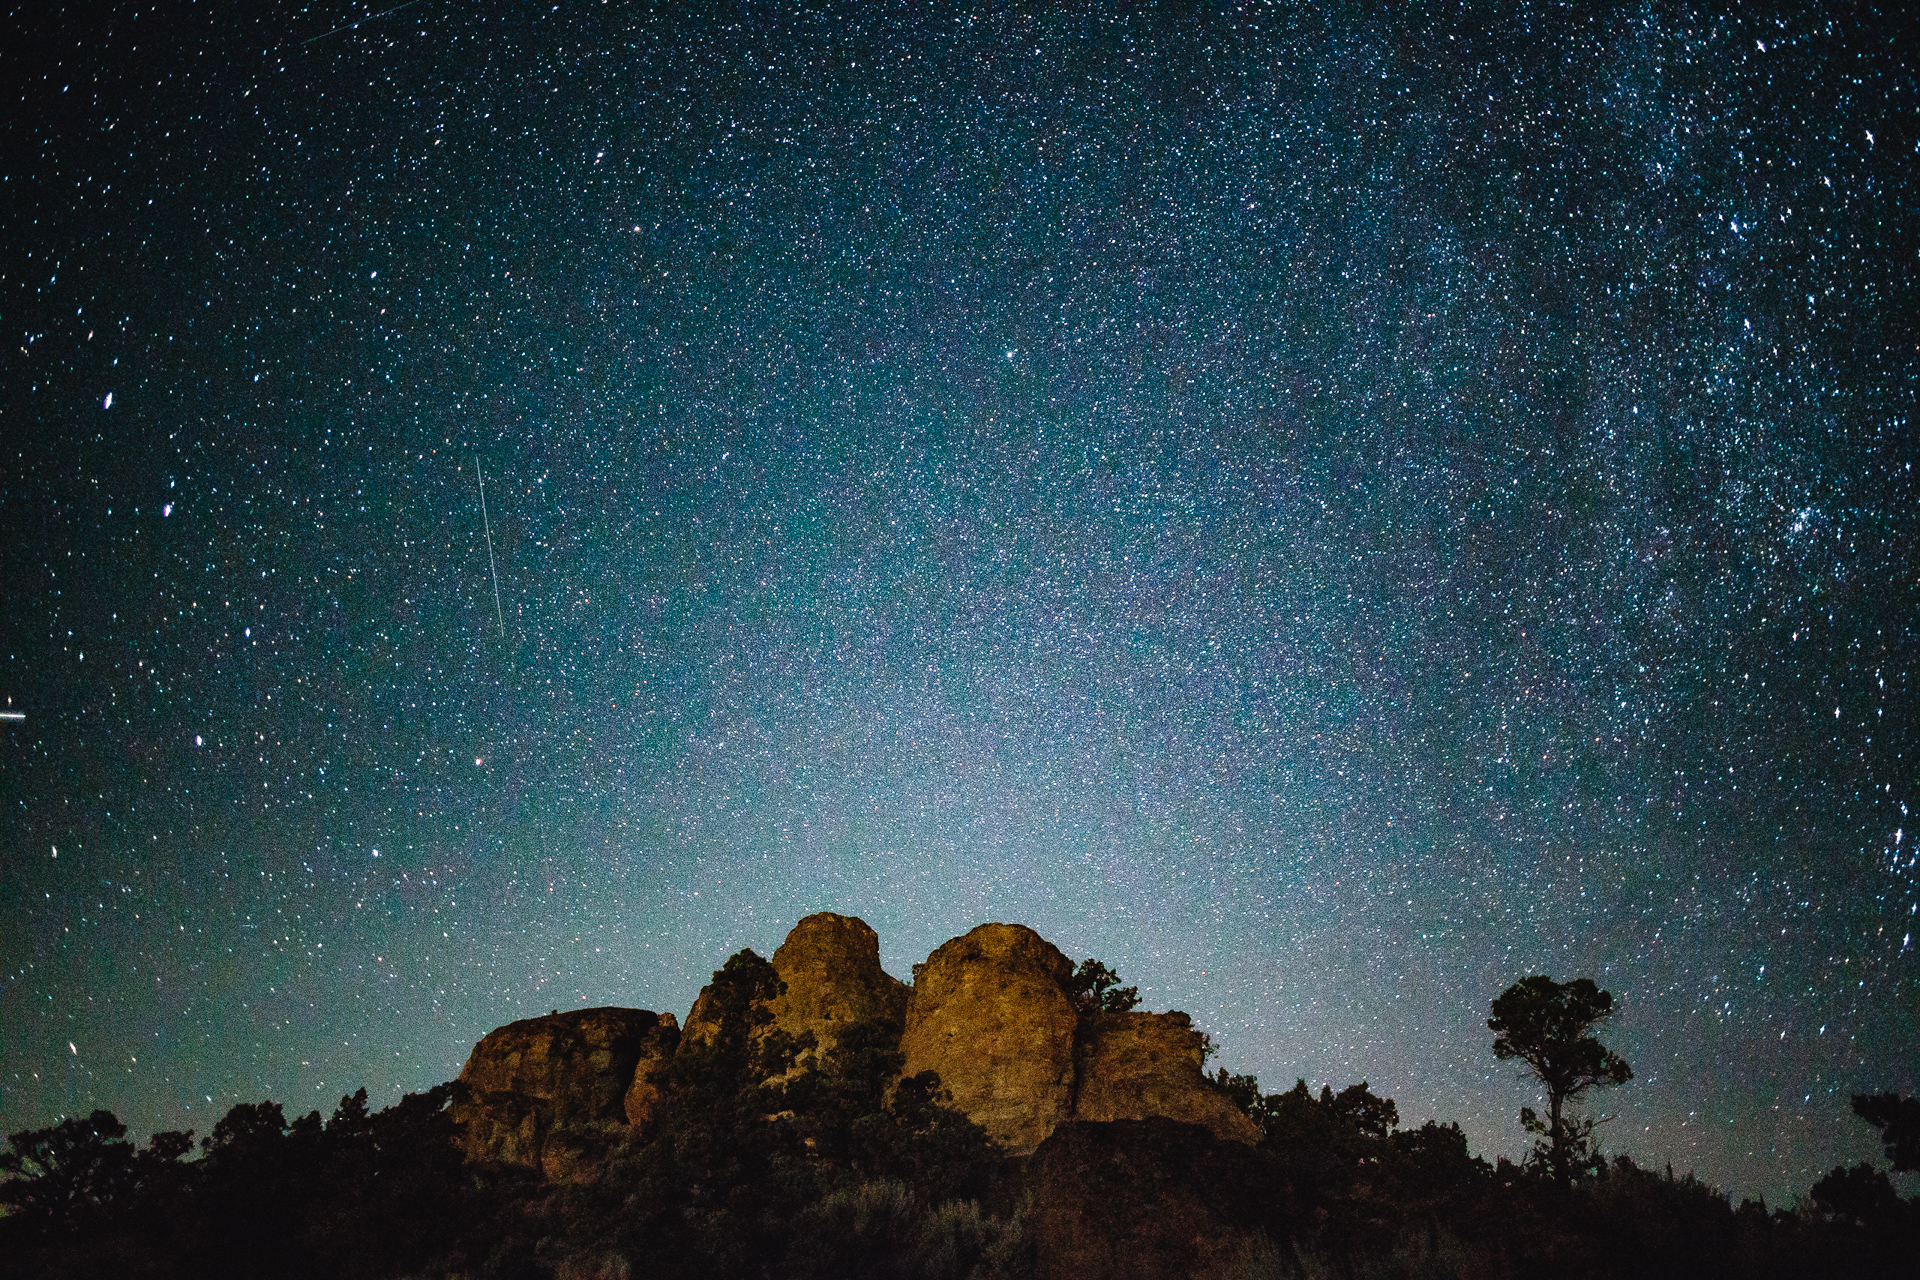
{"x":1094,"y":988}
{"x":1898,"y":1120}
{"x":1548,"y":1026}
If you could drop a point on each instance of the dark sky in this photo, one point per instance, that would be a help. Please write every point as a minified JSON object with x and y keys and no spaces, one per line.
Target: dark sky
{"x":1327,"y":509}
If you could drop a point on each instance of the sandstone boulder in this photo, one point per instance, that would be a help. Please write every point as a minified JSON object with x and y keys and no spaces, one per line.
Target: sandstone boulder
{"x":831,"y":967}
{"x":990,"y":1014}
{"x":556,"y":1093}
{"x":1135,"y":1065}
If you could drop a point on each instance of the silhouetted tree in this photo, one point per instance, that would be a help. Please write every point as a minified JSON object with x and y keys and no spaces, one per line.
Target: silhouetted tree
{"x":1244,"y":1091}
{"x":1438,"y":1157}
{"x":1359,"y":1106}
{"x":1094,"y":988}
{"x":69,"y":1166}
{"x":1548,"y":1025}
{"x":1298,"y":1118}
{"x":1861,"y":1194}
{"x":249,"y":1129}
{"x":57,"y":1176}
{"x":1898,"y":1120}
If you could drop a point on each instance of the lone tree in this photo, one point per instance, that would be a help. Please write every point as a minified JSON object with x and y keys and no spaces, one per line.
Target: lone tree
{"x":1094,"y":988}
{"x":1548,"y":1026}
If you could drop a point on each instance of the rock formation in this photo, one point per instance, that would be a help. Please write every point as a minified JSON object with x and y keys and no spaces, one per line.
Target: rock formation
{"x":831,"y":966}
{"x":556,"y":1093}
{"x":989,"y":1012}
{"x":1135,"y":1065}
{"x":991,"y":1015}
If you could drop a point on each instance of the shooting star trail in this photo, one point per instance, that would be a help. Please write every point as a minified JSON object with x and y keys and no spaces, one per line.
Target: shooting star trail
{"x":486,"y":524}
{"x":351,"y":25}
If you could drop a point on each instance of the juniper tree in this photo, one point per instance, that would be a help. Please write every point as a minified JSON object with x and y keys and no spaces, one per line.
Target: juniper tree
{"x":1548,"y":1026}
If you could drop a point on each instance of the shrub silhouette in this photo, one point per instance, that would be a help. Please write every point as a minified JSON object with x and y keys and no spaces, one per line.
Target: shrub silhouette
{"x":1094,"y":988}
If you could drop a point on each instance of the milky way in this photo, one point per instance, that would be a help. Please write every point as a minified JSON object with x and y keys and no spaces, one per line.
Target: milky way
{"x":1329,"y":514}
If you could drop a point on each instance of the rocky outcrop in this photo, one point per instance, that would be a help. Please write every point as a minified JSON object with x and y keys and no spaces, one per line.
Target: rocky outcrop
{"x":990,"y":1014}
{"x":1148,"y":1200}
{"x":831,"y":967}
{"x":703,"y":1021}
{"x":1135,"y":1065}
{"x":644,"y":1097}
{"x":556,"y":1093}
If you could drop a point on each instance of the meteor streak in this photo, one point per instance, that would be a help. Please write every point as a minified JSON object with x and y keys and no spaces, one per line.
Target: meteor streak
{"x":498,"y":616}
{"x":350,"y":26}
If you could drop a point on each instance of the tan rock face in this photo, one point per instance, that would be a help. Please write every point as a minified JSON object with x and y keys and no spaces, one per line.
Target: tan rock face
{"x":1135,"y":1065}
{"x":555,"y":1093}
{"x":831,"y":965}
{"x":703,"y":1024}
{"x":990,"y":1014}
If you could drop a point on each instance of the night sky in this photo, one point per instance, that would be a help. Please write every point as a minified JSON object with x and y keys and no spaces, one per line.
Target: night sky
{"x":1328,"y":509}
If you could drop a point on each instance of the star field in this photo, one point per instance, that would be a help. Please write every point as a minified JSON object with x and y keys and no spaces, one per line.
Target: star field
{"x":1328,"y":513}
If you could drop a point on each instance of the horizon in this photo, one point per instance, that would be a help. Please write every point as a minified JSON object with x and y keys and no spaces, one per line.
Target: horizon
{"x":1498,"y":1144}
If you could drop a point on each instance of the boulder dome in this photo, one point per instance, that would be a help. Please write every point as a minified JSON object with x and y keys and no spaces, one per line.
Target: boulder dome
{"x":990,"y":1013}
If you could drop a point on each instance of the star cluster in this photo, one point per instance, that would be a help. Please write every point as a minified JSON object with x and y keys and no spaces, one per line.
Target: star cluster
{"x":1328,"y":512}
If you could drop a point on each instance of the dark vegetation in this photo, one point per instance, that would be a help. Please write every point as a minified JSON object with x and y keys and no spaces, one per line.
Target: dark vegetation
{"x":358,"y":1195}
{"x":757,"y":1171}
{"x":1548,"y":1025}
{"x":1094,"y":988}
